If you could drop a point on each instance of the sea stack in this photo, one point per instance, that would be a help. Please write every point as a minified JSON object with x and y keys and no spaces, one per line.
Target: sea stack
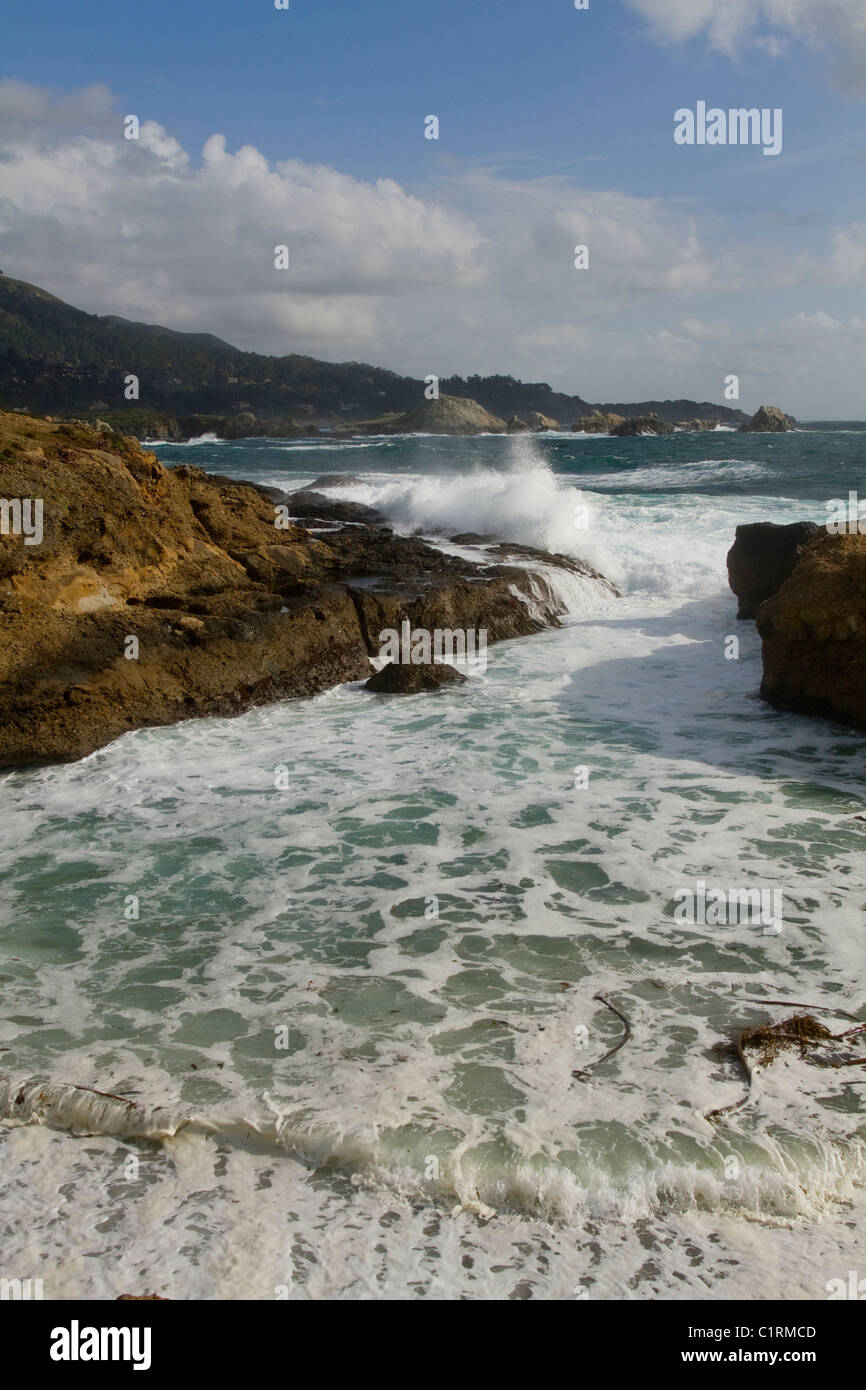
{"x":768,"y":420}
{"x":449,"y":415}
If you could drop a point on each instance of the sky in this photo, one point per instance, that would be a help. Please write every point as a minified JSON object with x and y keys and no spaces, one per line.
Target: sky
{"x":305,"y":127}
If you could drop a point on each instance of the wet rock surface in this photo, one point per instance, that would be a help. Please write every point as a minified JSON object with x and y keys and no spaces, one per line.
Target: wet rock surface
{"x":412,"y":679}
{"x":159,"y":594}
{"x":762,"y":557}
{"x":814,"y":633}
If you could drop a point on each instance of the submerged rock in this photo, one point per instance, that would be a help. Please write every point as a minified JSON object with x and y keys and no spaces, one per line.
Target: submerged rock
{"x":769,"y":419}
{"x":410,"y":679}
{"x":814,"y":632}
{"x":762,"y":557}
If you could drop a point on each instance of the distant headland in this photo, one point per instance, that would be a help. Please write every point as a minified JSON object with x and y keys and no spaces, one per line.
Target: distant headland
{"x":150,"y":382}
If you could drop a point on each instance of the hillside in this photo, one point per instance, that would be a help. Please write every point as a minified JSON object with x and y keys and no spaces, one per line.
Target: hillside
{"x":60,"y":360}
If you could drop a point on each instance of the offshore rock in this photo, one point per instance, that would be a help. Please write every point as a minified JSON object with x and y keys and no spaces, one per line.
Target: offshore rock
{"x":446,"y":415}
{"x":534,"y":423}
{"x":598,"y":423}
{"x":769,"y":419}
{"x":642,"y":424}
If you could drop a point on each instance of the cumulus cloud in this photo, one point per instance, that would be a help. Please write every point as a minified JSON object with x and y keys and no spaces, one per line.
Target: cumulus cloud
{"x":137,"y":226}
{"x":478,"y":276}
{"x":836,"y":25}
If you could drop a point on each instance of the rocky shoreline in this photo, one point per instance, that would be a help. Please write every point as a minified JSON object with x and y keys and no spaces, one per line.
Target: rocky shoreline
{"x":458,"y":415}
{"x":449,"y":415}
{"x":158,"y":594}
{"x":155,"y":595}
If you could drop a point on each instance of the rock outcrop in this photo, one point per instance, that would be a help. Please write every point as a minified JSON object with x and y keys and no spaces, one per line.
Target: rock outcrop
{"x":158,"y":594}
{"x":309,"y":505}
{"x":450,"y":415}
{"x":445,"y":415}
{"x":762,"y":557}
{"x":382,"y":424}
{"x":769,"y":419}
{"x":814,"y":633}
{"x":242,"y":425}
{"x":410,"y":679}
{"x":642,"y":424}
{"x":598,"y":423}
{"x":534,"y":423}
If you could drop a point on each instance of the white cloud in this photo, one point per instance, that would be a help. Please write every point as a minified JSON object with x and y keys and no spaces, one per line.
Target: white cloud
{"x":848,"y":262}
{"x":729,"y":25}
{"x":698,"y":328}
{"x":478,"y":278}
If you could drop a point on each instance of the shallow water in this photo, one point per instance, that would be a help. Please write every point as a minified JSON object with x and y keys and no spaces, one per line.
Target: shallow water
{"x":350,"y":1010}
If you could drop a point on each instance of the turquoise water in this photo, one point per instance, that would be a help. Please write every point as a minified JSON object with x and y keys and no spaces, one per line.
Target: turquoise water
{"x":365,"y":995}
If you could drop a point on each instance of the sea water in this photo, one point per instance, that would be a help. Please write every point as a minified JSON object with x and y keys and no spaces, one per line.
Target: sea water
{"x":360,"y":1014}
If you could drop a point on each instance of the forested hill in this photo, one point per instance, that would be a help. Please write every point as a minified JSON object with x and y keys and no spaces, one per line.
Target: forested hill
{"x":58,"y":360}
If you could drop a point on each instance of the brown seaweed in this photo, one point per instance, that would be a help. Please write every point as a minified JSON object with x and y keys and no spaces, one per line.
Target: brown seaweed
{"x":769,"y":1040}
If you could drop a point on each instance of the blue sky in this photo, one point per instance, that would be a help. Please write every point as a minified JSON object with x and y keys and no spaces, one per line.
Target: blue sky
{"x":550,"y":118}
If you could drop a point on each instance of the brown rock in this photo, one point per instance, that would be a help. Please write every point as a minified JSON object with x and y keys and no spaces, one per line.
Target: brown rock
{"x":227,"y":610}
{"x":642,"y":424}
{"x":814,"y":633}
{"x":769,"y":419}
{"x":445,"y":415}
{"x":762,"y":557}
{"x":409,"y":679}
{"x":598,"y":423}
{"x":534,"y":423}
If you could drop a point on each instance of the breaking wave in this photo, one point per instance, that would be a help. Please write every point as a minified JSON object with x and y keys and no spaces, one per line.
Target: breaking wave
{"x":784,"y":1184}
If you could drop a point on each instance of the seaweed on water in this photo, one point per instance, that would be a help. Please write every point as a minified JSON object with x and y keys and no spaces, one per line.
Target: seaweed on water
{"x":622,"y":1042}
{"x":758,"y":1047}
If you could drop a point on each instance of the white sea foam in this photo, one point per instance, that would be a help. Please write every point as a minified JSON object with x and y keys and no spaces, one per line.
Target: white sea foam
{"x":669,"y":546}
{"x":449,"y":1037}
{"x":208,"y":438}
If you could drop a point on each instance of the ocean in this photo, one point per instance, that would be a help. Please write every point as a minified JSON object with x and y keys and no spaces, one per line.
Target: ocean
{"x":349,"y":1008}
